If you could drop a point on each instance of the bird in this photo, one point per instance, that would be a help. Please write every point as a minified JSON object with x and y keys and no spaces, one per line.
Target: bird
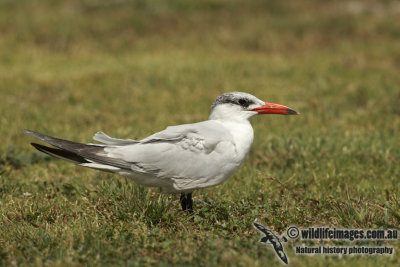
{"x":179,"y":159}
{"x":270,"y":238}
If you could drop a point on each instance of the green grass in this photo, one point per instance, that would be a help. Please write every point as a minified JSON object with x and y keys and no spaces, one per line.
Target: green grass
{"x":71,"y":68}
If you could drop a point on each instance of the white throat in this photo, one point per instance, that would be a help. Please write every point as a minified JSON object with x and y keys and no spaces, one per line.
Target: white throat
{"x":237,"y":122}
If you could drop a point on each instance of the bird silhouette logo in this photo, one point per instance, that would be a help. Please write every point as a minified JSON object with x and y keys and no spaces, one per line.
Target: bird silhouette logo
{"x":271,"y":238}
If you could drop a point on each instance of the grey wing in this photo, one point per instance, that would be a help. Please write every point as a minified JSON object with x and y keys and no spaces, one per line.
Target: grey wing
{"x":191,"y":155}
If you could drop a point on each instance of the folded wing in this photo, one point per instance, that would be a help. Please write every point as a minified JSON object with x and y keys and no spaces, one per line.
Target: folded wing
{"x":192,"y":151}
{"x":182,"y":157}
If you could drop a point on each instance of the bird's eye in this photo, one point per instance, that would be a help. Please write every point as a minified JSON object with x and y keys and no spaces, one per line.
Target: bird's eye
{"x":243,"y":102}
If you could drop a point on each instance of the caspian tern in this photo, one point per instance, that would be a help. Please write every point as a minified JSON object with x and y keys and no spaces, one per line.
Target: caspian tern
{"x":180,"y":158}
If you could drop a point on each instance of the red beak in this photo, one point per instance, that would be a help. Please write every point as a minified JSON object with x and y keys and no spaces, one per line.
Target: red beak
{"x":272,"y":108}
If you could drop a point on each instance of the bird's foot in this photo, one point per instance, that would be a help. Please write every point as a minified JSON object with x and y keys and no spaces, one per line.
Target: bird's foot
{"x":186,"y":202}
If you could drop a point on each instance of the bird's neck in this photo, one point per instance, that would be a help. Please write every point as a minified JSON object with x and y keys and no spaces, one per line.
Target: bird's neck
{"x":237,"y":123}
{"x":242,"y":134}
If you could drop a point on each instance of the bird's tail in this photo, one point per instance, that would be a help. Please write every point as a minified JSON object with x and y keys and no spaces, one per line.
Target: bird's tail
{"x":88,"y":155}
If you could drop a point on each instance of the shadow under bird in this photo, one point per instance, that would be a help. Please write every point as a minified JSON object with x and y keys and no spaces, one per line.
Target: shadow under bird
{"x":180,"y":158}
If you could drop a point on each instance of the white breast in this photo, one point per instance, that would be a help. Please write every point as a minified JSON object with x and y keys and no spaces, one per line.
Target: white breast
{"x":243,"y":136}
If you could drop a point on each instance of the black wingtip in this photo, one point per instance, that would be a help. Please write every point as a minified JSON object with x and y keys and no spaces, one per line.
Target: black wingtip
{"x":59,"y":153}
{"x":41,"y":148}
{"x":34,"y":134}
{"x":28,"y":131}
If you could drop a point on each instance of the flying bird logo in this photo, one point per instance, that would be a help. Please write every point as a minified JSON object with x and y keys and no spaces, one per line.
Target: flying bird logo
{"x":271,"y":238}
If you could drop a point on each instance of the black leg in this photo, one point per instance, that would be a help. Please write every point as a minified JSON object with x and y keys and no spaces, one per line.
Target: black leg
{"x":189,"y":202}
{"x":183,"y":201}
{"x":186,"y":202}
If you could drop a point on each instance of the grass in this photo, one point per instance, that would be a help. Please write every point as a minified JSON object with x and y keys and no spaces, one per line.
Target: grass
{"x":71,"y":68}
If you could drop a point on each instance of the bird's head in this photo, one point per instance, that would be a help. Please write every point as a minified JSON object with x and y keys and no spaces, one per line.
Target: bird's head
{"x":239,"y":106}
